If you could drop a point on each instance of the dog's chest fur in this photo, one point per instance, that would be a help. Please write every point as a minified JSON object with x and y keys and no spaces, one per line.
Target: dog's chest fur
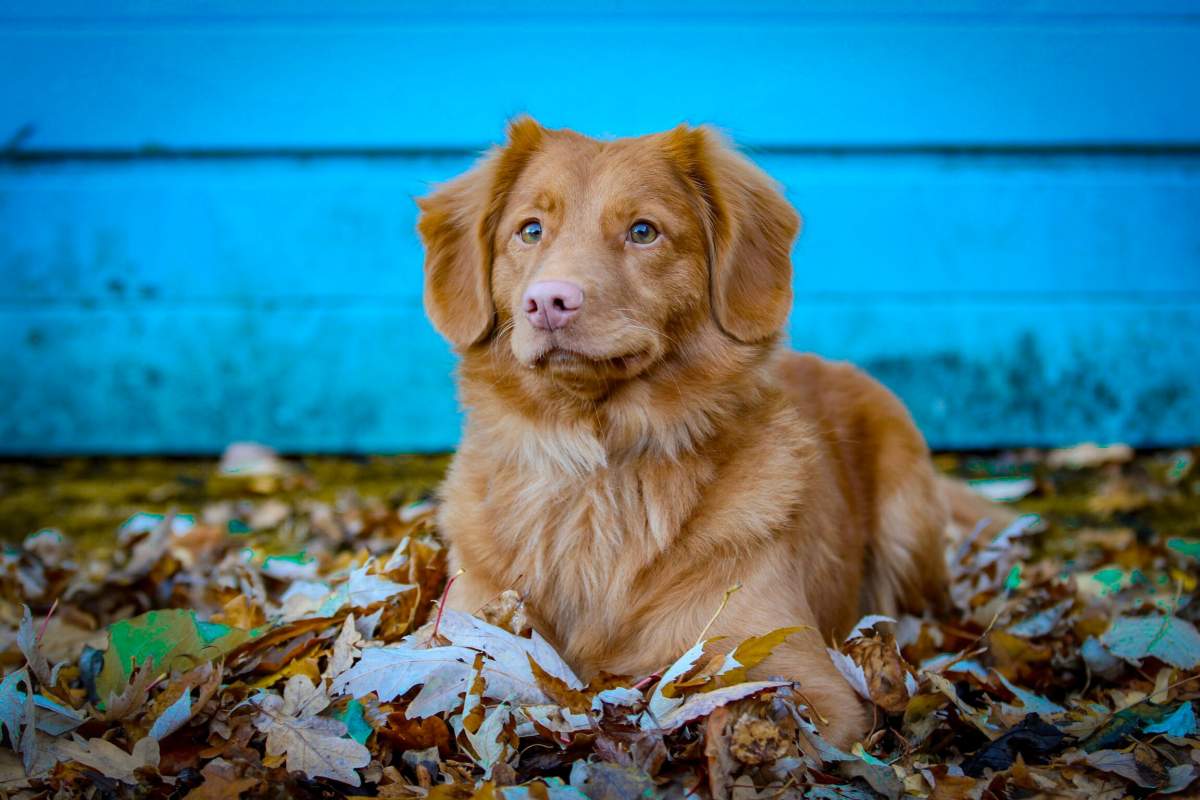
{"x":587,"y":537}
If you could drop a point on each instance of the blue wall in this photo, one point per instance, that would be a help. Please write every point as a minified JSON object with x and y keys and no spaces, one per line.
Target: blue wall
{"x":206,"y":217}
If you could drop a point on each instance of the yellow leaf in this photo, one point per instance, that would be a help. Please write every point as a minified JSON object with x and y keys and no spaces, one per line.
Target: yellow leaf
{"x":751,"y":653}
{"x":306,"y":666}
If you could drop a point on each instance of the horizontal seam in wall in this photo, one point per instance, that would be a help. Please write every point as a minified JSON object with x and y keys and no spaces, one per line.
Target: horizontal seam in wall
{"x":966,"y":300}
{"x":18,"y":155}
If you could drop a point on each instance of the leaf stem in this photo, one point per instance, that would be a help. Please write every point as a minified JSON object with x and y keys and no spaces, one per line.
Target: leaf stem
{"x":46,"y":622}
{"x":717,"y":613}
{"x":442,"y":603}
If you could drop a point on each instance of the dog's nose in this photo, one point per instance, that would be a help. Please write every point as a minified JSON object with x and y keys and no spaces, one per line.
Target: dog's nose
{"x":551,"y":304}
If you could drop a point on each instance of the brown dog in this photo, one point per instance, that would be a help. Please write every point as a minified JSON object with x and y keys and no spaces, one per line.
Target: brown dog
{"x":638,"y":440}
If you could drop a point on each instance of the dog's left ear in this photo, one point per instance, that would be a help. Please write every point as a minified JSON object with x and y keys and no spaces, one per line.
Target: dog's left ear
{"x":750,"y":227}
{"x":457,"y":224}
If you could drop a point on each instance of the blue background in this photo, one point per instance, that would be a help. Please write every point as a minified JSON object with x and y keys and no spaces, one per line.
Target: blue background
{"x":207,"y":226}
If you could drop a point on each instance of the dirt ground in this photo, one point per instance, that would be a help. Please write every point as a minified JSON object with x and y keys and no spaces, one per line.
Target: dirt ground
{"x":86,"y":498}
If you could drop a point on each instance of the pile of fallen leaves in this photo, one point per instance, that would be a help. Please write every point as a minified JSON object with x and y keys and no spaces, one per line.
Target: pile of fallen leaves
{"x":205,"y":659}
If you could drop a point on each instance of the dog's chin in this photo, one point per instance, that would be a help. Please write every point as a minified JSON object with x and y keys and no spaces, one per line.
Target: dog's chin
{"x":559,"y":360}
{"x":580,"y":365}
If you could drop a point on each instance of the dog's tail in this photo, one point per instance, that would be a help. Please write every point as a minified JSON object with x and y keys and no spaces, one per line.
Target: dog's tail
{"x":968,"y":510}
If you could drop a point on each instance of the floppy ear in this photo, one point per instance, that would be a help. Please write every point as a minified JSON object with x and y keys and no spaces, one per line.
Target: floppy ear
{"x":457,"y":224}
{"x":751,"y":228}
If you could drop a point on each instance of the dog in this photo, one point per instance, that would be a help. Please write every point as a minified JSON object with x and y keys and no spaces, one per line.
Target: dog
{"x":639,"y":439}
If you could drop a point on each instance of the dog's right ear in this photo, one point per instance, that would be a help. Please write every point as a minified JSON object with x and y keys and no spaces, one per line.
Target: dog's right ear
{"x":457,"y":225}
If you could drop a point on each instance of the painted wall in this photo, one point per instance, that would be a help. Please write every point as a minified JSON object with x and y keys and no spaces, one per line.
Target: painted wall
{"x":206,"y":216}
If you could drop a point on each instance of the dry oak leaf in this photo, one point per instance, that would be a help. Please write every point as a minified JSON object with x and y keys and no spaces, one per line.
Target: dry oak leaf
{"x":345,"y":649}
{"x":133,"y":698}
{"x":27,"y":640}
{"x":717,"y":752}
{"x":315,"y":746}
{"x":107,"y":758}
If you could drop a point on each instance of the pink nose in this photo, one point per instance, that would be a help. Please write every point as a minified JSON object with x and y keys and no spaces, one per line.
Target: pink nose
{"x":551,"y":304}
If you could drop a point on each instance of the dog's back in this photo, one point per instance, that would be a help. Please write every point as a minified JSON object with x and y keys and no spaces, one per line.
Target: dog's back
{"x":882,"y":466}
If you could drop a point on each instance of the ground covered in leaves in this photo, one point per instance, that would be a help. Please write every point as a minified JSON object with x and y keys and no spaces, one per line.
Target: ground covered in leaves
{"x":260,"y":628}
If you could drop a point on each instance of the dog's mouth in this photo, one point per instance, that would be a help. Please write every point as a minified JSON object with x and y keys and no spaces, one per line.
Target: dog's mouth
{"x":568,"y":361}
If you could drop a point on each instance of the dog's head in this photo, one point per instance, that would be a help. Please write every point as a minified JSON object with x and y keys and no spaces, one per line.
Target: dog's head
{"x":591,"y":259}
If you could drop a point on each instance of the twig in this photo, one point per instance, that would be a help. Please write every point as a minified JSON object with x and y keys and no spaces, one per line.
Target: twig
{"x":1145,"y":699}
{"x":717,"y":613}
{"x":649,"y":679}
{"x":966,"y":651}
{"x":809,"y":704}
{"x":653,"y":676}
{"x":442,"y":602}
{"x":46,"y":622}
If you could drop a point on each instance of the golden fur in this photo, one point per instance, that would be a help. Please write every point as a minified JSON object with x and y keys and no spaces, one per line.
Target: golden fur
{"x":623,"y":472}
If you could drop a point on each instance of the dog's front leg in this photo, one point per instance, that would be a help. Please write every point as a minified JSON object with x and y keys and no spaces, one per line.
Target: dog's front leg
{"x":839,"y":713}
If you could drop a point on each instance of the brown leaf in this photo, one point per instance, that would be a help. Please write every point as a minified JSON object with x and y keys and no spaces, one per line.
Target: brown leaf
{"x":240,"y":612}
{"x":557,"y":689}
{"x":206,"y":676}
{"x":417,"y":734}
{"x":27,"y":641}
{"x":345,"y":649}
{"x":884,"y":668}
{"x":109,"y":759}
{"x":1015,"y":658}
{"x":717,"y":753}
{"x":221,"y":782}
{"x":953,"y":787}
{"x":273,"y":640}
{"x":133,"y":698}
{"x":282,"y":656}
{"x":756,"y":740}
{"x":315,"y":746}
{"x":462,"y":791}
{"x":508,"y":612}
{"x":1141,"y":765}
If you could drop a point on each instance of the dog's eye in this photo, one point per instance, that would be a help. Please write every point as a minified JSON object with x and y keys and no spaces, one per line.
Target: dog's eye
{"x":531,"y":232}
{"x":642,"y":233}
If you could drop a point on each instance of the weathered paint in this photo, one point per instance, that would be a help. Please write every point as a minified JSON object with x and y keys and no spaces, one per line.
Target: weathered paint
{"x":417,"y":75}
{"x":1000,"y":204}
{"x":184,"y":379}
{"x":254,"y":230}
